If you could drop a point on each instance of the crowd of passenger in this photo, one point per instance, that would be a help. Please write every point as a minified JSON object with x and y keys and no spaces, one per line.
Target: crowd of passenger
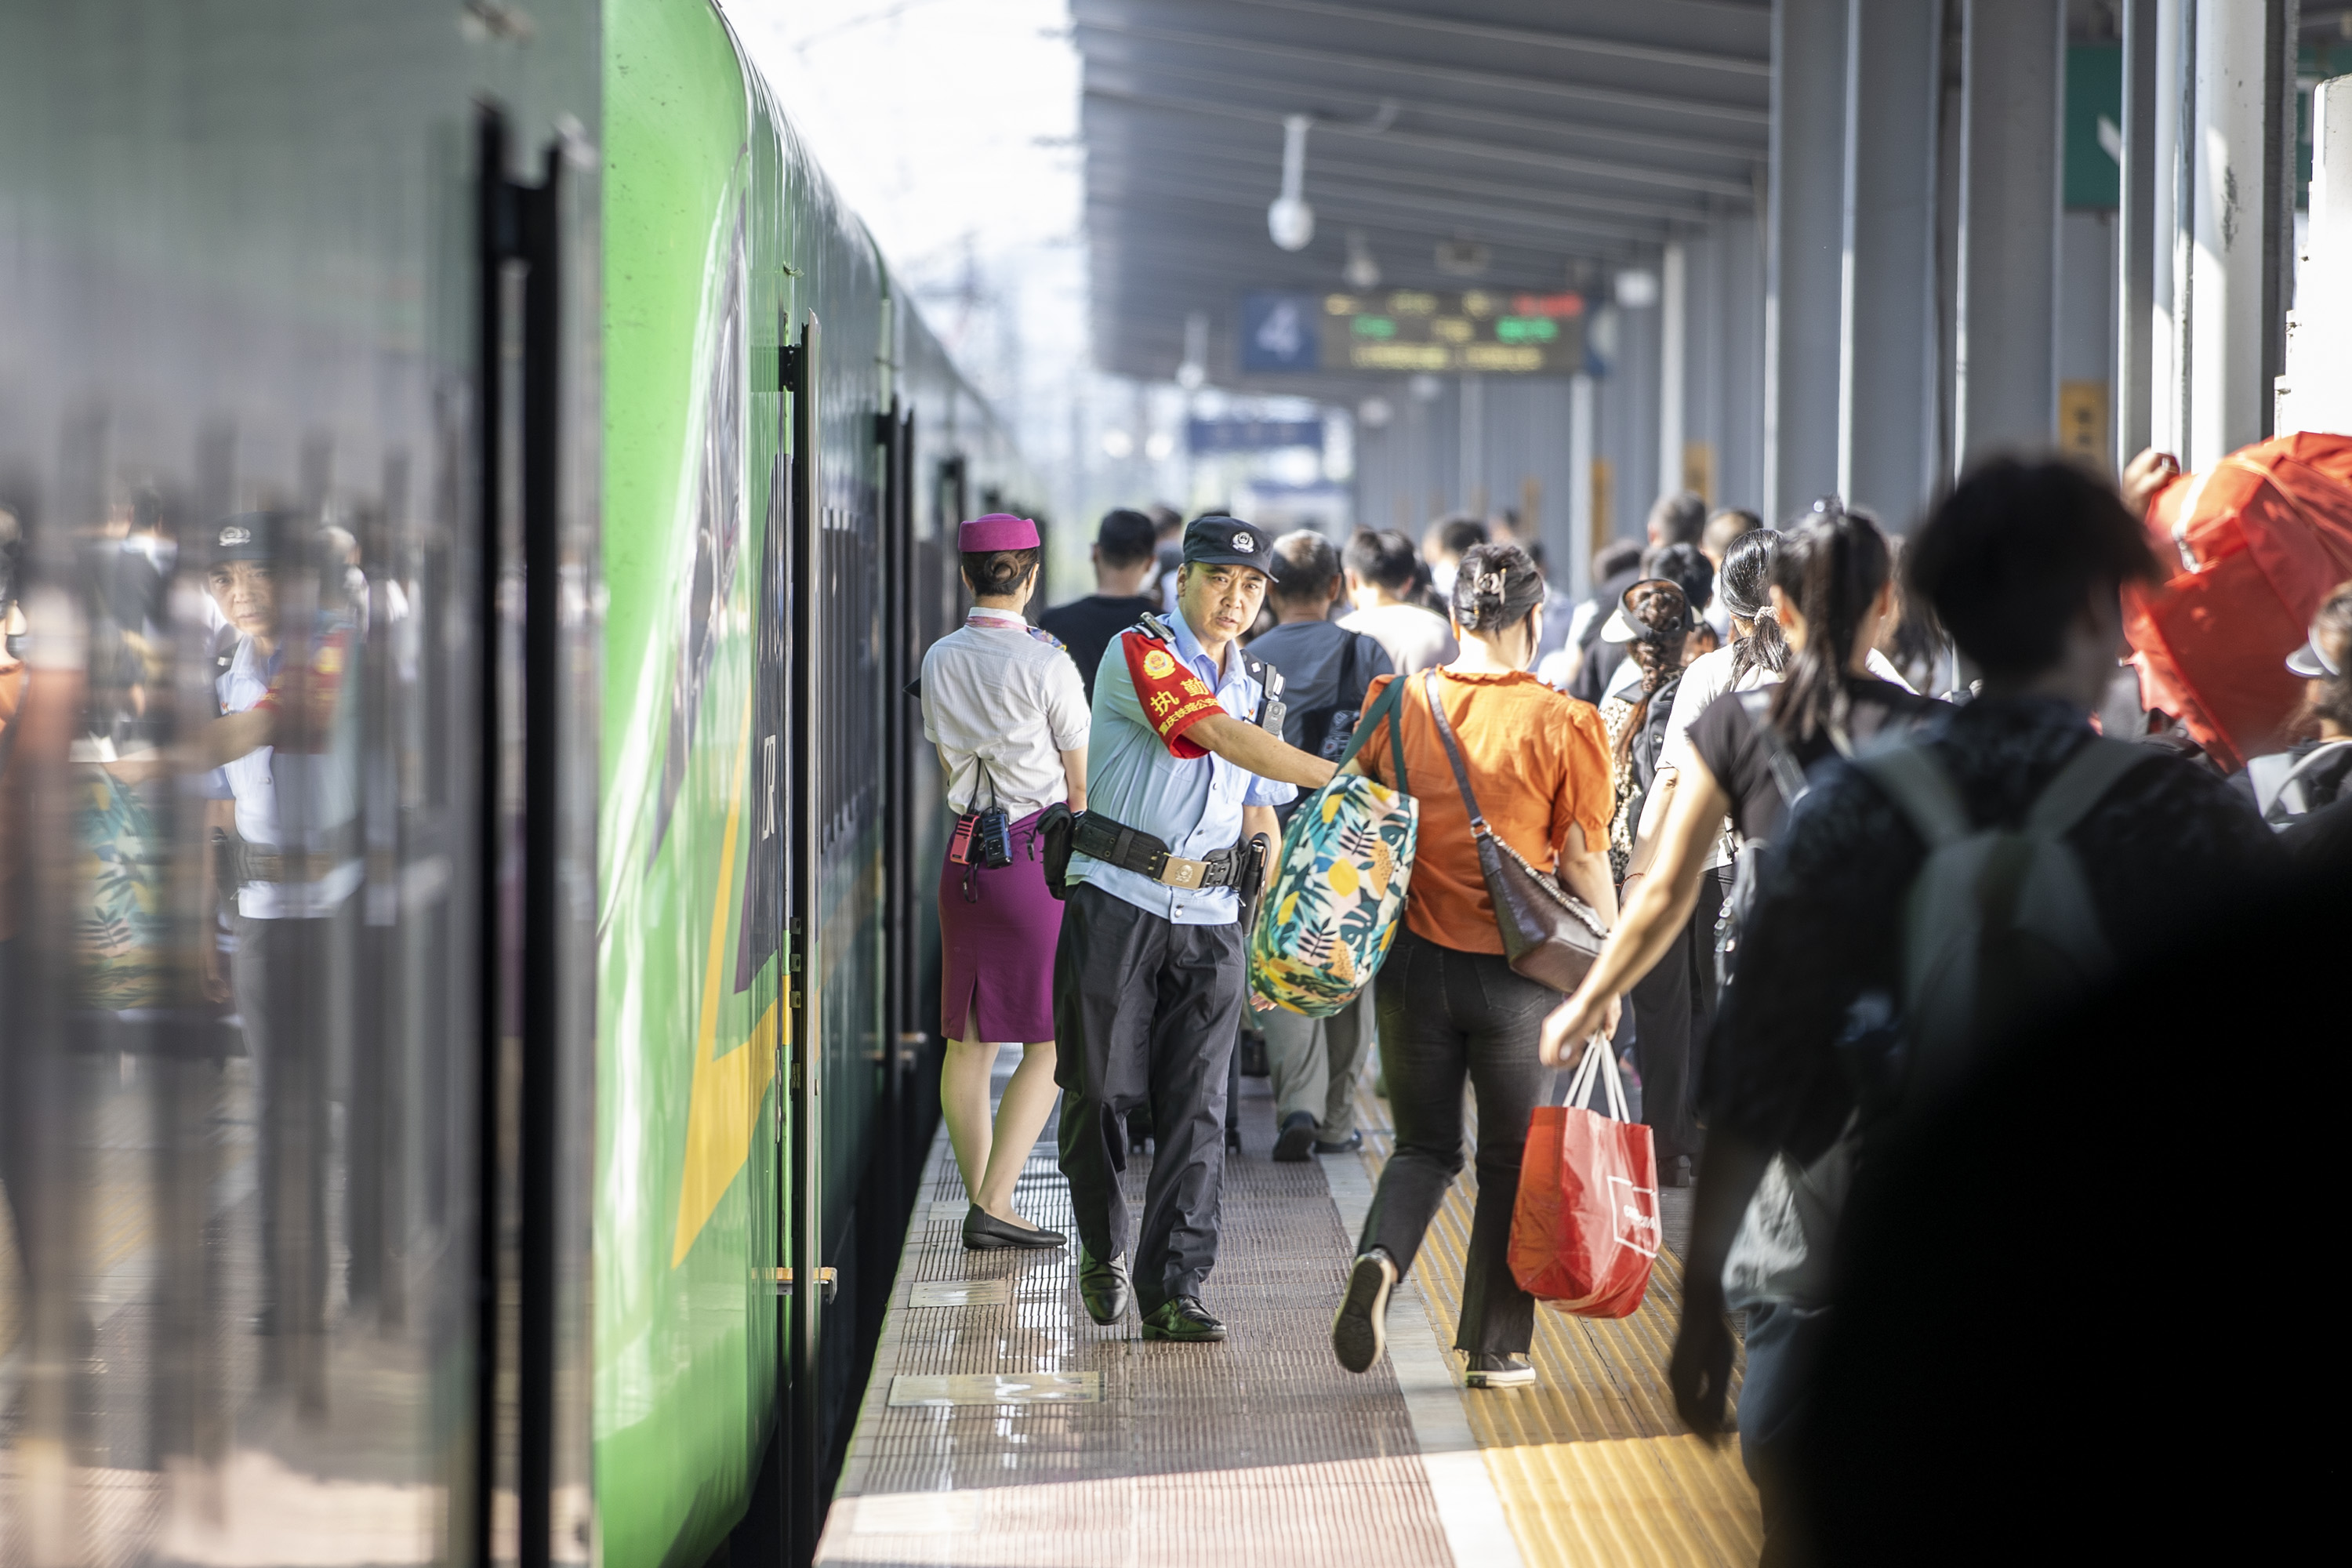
{"x":1864,"y":816}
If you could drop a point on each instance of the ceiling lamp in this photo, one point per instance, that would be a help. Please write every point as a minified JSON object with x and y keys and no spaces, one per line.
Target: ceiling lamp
{"x":1362,"y":272}
{"x":1462,"y":257}
{"x":1289,"y":219}
{"x":1637,"y":287}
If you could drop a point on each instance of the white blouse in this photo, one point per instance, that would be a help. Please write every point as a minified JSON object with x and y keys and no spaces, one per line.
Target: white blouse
{"x":997,"y":696}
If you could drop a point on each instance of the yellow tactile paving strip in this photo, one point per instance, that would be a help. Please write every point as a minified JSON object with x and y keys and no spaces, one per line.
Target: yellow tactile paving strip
{"x":1591,"y":1465}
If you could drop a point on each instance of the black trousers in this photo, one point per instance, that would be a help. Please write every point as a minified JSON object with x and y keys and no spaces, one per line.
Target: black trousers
{"x":1674,"y":1007}
{"x":1444,"y":1015}
{"x":1146,"y":1013}
{"x":288,"y":978}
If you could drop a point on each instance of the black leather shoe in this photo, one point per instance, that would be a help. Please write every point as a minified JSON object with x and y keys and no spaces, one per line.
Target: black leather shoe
{"x":1675,"y":1171}
{"x":1297,"y":1137}
{"x":984,"y":1232}
{"x":1185,"y":1318}
{"x":1360,"y":1334}
{"x":1347,"y":1145}
{"x":1103,"y":1287}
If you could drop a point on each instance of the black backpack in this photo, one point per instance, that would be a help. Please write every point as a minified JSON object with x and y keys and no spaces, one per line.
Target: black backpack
{"x":1326,"y":731}
{"x":1647,"y":745}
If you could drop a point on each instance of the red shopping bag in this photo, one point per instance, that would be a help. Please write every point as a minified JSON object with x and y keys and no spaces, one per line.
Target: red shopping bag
{"x":1586,"y":1224}
{"x":2256,"y":542}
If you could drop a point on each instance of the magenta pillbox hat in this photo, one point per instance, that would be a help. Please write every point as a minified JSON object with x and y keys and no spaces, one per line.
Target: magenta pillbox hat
{"x":997,"y":531}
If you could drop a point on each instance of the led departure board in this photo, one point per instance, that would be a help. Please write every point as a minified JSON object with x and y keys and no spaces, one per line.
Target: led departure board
{"x":1404,"y":331}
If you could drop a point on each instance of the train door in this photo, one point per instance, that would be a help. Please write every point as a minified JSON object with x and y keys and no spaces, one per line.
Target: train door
{"x":296,"y":783}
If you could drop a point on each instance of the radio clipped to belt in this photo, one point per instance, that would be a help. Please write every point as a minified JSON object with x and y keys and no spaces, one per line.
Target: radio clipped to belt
{"x":982,"y":840}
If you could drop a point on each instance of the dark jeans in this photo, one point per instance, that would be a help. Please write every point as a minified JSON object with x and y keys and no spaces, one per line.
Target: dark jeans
{"x":284,"y":979}
{"x":1782,"y":1340}
{"x":1674,"y":1007}
{"x":1146,"y":1013}
{"x":1446,"y":1015}
{"x":27,"y":1085}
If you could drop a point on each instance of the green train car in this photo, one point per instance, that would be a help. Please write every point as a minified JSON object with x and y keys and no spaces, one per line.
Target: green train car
{"x":470,"y":1117}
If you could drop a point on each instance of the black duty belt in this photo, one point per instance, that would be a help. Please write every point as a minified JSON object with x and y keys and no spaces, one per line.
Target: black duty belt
{"x":257,"y":863}
{"x":1099,"y":838}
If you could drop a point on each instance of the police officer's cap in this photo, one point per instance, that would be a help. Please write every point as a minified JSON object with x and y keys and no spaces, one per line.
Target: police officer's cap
{"x":247,"y":536}
{"x":1227,"y":542}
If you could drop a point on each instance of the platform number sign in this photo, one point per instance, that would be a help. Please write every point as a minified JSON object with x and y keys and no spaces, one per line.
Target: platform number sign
{"x":1281,"y":332}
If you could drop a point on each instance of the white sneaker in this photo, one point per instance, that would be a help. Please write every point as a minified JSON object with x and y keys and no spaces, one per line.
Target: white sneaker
{"x":1498,"y":1372}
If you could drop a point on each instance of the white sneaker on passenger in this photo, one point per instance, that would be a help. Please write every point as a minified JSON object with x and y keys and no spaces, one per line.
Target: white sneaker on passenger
{"x":1360,"y":1334}
{"x":1498,"y":1372}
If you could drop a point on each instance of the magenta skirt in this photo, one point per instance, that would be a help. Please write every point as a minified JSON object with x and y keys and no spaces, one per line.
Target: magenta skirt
{"x":997,"y":934}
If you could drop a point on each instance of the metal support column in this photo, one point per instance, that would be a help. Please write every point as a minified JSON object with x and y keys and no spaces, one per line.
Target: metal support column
{"x":1584,"y":537}
{"x":2012,"y":52}
{"x":1470,"y":460}
{"x":1886,"y":360}
{"x":2315,"y":393}
{"x":1803,"y":265}
{"x":1673,"y":318}
{"x":2228,"y":395}
{"x":2136,"y":241}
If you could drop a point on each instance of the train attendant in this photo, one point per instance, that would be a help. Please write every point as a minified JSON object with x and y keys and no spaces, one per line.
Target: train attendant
{"x":1187,"y":764}
{"x":1004,"y":706}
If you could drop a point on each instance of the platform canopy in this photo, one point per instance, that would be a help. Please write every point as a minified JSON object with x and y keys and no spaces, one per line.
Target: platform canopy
{"x":1528,"y":146}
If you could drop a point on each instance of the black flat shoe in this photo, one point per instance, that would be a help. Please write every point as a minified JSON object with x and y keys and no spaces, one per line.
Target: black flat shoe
{"x":1297,"y":1137}
{"x":1360,"y":1334}
{"x":1103,"y":1287}
{"x":984,"y":1232}
{"x":1347,"y":1145}
{"x":1183,"y":1318}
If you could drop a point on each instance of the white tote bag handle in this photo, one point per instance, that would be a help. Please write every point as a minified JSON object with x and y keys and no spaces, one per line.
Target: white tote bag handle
{"x":1599,"y":1060}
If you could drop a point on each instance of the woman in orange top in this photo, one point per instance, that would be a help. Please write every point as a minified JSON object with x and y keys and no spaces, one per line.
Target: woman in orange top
{"x":1448,"y":1004}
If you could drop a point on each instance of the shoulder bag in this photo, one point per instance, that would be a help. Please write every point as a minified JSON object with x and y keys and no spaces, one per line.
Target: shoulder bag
{"x":1548,"y":933}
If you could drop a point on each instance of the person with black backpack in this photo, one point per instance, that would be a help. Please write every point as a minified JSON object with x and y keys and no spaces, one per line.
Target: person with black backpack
{"x":1314,"y":1062}
{"x":1926,"y":901}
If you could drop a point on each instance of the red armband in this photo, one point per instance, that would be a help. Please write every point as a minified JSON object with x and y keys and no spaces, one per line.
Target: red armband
{"x":1174,"y":699}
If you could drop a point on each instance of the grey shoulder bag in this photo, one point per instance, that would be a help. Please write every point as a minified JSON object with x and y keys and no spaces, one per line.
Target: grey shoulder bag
{"x":1549,"y":934}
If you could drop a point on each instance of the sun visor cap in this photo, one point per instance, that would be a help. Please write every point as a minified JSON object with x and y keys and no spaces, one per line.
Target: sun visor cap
{"x":1227,"y":542}
{"x":1624,"y":625}
{"x":2311,"y":661}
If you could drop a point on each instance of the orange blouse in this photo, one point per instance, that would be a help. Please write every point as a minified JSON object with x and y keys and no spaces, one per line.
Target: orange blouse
{"x":1540,"y":765}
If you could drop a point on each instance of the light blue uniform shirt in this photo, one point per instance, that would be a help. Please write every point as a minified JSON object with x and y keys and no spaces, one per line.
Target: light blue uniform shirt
{"x":261,"y":781}
{"x":1193,"y":804}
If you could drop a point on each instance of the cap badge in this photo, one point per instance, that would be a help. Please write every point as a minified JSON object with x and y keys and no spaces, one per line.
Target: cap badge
{"x":1243,"y":541}
{"x":1158,"y":665}
{"x":234,"y":535}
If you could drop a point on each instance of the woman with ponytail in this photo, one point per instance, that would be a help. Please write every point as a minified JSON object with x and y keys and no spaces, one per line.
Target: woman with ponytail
{"x":1829,"y":594}
{"x":1675,"y":1002}
{"x":1450,"y":1006}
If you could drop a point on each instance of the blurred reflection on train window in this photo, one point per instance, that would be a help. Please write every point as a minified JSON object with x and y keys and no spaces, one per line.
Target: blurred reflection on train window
{"x":237,"y":1260}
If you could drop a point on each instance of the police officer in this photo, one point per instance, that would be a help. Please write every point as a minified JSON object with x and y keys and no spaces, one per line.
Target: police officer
{"x":288,"y":864}
{"x":1185,"y":765}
